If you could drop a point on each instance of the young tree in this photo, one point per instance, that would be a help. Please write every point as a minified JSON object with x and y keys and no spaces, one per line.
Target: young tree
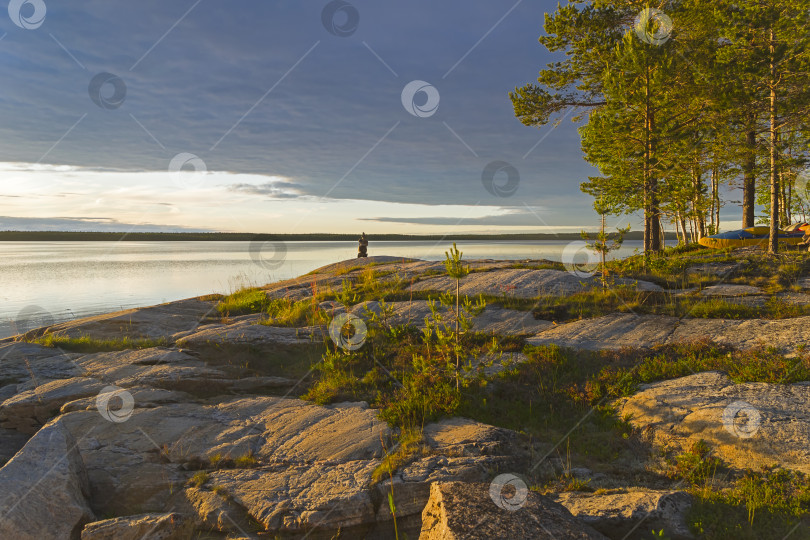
{"x":600,"y":244}
{"x":456,"y":270}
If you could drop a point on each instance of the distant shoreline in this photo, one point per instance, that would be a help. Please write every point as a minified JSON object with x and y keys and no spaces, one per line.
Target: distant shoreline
{"x":56,"y":236}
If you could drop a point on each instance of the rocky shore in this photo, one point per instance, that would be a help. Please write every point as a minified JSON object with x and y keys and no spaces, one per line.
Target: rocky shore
{"x":206,"y":435}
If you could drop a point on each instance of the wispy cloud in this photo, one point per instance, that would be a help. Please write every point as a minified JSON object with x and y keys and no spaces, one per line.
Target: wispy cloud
{"x":506,"y":217}
{"x":278,"y":189}
{"x":92,"y":224}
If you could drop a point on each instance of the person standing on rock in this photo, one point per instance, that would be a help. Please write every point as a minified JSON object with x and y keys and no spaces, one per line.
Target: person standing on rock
{"x":362,"y":250}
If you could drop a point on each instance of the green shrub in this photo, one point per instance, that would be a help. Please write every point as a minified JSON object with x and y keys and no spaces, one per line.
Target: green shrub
{"x":766,"y":504}
{"x":697,"y":466}
{"x":679,"y":360}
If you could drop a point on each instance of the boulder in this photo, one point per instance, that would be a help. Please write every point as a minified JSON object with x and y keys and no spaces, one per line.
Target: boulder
{"x":44,"y":488}
{"x":618,"y":514}
{"x":462,"y":436}
{"x":749,"y":425}
{"x":171,"y":526}
{"x":459,"y":510}
{"x":412,"y":482}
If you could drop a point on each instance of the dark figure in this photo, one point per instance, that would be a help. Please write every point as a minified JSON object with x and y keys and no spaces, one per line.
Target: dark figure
{"x":362,"y":251}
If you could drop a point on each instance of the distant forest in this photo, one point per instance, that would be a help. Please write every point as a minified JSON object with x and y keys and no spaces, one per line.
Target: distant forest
{"x":56,"y":236}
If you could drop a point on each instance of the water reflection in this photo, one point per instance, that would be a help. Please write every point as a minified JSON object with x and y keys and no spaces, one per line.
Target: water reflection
{"x":75,"y":279}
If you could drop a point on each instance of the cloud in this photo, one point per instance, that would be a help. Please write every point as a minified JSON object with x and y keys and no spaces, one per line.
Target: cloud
{"x":90,"y":224}
{"x":510,"y":217}
{"x":236,"y":87}
{"x":273,"y":190}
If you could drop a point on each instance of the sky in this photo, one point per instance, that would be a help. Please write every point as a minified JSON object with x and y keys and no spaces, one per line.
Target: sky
{"x":281,"y":117}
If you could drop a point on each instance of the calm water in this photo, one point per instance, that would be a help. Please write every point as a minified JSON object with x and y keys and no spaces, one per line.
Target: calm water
{"x":58,"y":281}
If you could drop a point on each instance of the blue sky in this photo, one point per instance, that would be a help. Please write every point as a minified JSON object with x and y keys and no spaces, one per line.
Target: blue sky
{"x":294,"y":128}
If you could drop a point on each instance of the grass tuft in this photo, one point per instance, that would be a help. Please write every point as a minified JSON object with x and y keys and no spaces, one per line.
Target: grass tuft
{"x":245,"y":461}
{"x":87,"y":344}
{"x":244,"y":302}
{"x":199,"y":479}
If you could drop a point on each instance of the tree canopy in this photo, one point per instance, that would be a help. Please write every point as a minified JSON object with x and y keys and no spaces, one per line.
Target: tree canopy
{"x":678,"y":100}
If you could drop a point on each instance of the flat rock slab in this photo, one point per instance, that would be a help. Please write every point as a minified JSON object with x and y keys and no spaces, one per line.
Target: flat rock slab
{"x":458,"y":510}
{"x":749,"y":425}
{"x":361,"y":263}
{"x":618,"y":514}
{"x":135,"y":462}
{"x":493,"y":320}
{"x":172,"y":526}
{"x":786,"y":335}
{"x":303,"y":497}
{"x":246,"y":333}
{"x":619,"y":330}
{"x":27,"y":411}
{"x":37,"y":401}
{"x":729,"y":289}
{"x":145,"y":397}
{"x":21,"y":362}
{"x":45,"y":488}
{"x":403,"y":268}
{"x":797,"y":298}
{"x":509,"y":322}
{"x":318,"y":499}
{"x":613,"y":331}
{"x":520,"y":283}
{"x":761,"y":300}
{"x":159,"y":367}
{"x":154,"y":376}
{"x":153,"y":322}
{"x":395,"y":313}
{"x":713,"y":269}
{"x":10,"y":443}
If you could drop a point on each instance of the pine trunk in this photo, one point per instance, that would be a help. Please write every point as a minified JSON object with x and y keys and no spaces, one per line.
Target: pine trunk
{"x":652,"y":215}
{"x":749,"y":179}
{"x":773,"y":240}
